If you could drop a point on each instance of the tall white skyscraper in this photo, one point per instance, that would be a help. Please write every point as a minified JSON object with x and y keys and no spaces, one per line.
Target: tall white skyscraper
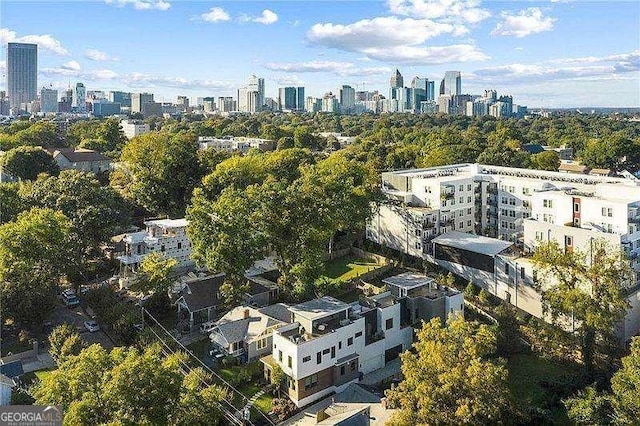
{"x":256,"y":84}
{"x":22,"y":73}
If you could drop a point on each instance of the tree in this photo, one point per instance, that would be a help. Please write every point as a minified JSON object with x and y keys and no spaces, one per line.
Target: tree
{"x":470,"y":291}
{"x":508,"y":330}
{"x":449,"y":379}
{"x":233,"y":290}
{"x":64,"y":341}
{"x":625,"y":386}
{"x":154,"y":274}
{"x":589,"y":407}
{"x":210,"y":158}
{"x":159,"y":172}
{"x":41,"y":133}
{"x":97,"y":212}
{"x":588,"y":287}
{"x":27,"y":162}
{"x":35,"y":251}
{"x":128,"y":386}
{"x":547,"y":160}
{"x":11,"y":204}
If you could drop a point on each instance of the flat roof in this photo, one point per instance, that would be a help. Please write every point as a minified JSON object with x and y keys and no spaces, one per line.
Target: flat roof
{"x":472,"y":242}
{"x":318,"y":308}
{"x":408,"y":280}
{"x":168,"y":223}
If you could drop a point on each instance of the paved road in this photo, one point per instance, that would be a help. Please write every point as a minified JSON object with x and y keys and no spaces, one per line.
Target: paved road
{"x":76,"y":317}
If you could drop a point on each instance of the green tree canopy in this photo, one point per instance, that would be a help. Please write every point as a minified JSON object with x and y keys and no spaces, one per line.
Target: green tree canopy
{"x":588,"y":286}
{"x":159,"y":172}
{"x":64,"y":341}
{"x":35,"y":251}
{"x":154,"y":274}
{"x":27,"y":162}
{"x":129,"y":386}
{"x":450,"y":380}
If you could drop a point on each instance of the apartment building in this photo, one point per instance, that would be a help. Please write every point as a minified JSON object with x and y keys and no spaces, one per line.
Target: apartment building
{"x":165,"y":236}
{"x":330,"y":344}
{"x":513,"y":211}
{"x":231,"y":144}
{"x":133,"y":128}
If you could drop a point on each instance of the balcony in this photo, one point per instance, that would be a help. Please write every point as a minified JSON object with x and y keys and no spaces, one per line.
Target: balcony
{"x":447,"y":222}
{"x":447,"y":195}
{"x":428,"y":224}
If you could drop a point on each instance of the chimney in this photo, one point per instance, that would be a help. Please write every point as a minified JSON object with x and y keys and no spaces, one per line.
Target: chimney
{"x":246,"y":313}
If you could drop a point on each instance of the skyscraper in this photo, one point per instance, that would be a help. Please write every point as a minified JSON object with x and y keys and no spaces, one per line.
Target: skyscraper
{"x":347,"y":99}
{"x":22,"y":73}
{"x":139,"y":99}
{"x":256,"y":84}
{"x":431,"y":90}
{"x":287,"y":99}
{"x":48,"y":100}
{"x":79,"y":103}
{"x":396,"y":80}
{"x":452,"y":83}
{"x":300,"y":99}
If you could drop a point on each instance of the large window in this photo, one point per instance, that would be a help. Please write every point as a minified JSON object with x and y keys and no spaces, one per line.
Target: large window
{"x":389,"y":324}
{"x":464,"y":257}
{"x":310,"y":381}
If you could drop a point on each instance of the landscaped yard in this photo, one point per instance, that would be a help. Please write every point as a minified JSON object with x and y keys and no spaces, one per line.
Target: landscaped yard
{"x":532,"y":380}
{"x":348,"y":267}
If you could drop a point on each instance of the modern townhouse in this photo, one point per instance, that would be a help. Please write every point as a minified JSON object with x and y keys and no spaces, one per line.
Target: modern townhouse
{"x":330,"y":344}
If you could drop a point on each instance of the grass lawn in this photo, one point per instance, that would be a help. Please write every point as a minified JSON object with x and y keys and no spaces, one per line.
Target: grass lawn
{"x":264,"y":402}
{"x":527,"y":371}
{"x":348,"y":267}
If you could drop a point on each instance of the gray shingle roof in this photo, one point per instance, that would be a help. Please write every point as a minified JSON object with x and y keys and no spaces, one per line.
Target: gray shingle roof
{"x":279,"y":311}
{"x":234,"y":331}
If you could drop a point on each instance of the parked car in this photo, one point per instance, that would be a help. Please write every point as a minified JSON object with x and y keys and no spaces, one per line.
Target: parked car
{"x":67,"y":293}
{"x":91,"y":326}
{"x":206,"y":327}
{"x":71,"y":301}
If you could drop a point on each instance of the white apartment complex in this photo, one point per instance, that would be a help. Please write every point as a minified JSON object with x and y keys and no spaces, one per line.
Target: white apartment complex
{"x":233,"y":144}
{"x":133,"y":128}
{"x":430,"y":211}
{"x":165,"y":236}
{"x":330,"y":344}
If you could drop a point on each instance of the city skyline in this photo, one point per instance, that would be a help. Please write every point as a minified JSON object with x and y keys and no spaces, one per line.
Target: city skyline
{"x":185,"y":48}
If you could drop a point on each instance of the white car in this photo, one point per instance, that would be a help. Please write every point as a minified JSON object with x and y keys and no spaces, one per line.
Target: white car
{"x":91,"y":326}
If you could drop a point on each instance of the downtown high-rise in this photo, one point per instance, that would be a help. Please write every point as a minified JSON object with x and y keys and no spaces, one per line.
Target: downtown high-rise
{"x":22,"y":73}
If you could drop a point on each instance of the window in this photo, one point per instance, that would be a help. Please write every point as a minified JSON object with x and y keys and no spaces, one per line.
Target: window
{"x":290,"y":362}
{"x":427,"y":189}
{"x":325,"y":351}
{"x":340,"y":345}
{"x":389,"y":323}
{"x":280,"y":356}
{"x":358,"y":334}
{"x":469,"y":199}
{"x":353,"y":366}
{"x":512,"y":201}
{"x":576,"y":207}
{"x":525,"y":191}
{"x":512,"y":213}
{"x":342,"y":370}
{"x":507,"y":270}
{"x":461,"y":225}
{"x":607,"y":211}
{"x":469,"y":187}
{"x":162,"y":248}
{"x":333,"y":351}
{"x":547,"y":203}
{"x":568,"y":240}
{"x":468,"y":223}
{"x":310,"y":381}
{"x":461,"y":213}
{"x":469,"y":210}
{"x":350,"y":341}
{"x":306,"y":358}
{"x":261,"y":344}
{"x":461,"y":200}
{"x":179,"y":246}
{"x":418,"y":232}
{"x":318,"y":357}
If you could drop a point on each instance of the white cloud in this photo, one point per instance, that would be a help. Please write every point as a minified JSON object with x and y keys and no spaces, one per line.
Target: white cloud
{"x":379,"y":32}
{"x":334,"y":67}
{"x":215,"y":14}
{"x":141,"y":4}
{"x":140,"y":80}
{"x":526,"y":22}
{"x":396,"y":40}
{"x":267,"y":17}
{"x":622,"y":66}
{"x":98,"y":55}
{"x":446,"y":10}
{"x":44,"y":41}
{"x":71,"y":65}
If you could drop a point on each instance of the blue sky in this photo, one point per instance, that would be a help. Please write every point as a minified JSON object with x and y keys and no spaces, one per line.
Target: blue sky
{"x":545,"y":53}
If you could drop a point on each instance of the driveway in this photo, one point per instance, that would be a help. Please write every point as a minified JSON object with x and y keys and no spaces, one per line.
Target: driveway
{"x":76,"y":317}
